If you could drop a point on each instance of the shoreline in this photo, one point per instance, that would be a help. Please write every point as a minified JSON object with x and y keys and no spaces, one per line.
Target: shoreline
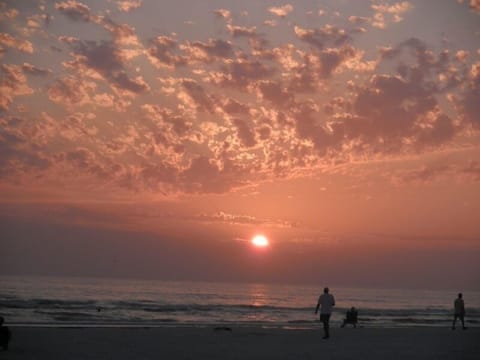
{"x":263,"y":325}
{"x":248,"y":342}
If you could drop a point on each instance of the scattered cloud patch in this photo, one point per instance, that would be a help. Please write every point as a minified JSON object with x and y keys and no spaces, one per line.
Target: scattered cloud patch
{"x":74,"y":10}
{"x":281,"y":11}
{"x":128,"y":5}
{"x":395,"y":11}
{"x":13,"y":83}
{"x":18,"y":44}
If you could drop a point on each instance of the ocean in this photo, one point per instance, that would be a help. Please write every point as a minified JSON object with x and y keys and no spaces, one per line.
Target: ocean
{"x":55,"y":301}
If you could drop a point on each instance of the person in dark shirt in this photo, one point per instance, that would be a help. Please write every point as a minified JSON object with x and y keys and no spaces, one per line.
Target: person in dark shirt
{"x":326,"y":302}
{"x":4,"y":335}
{"x":352,"y":317}
{"x":459,"y":307}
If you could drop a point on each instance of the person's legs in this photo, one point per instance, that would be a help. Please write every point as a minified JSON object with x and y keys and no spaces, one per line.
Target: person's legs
{"x":463,"y":321}
{"x":322,"y":319}
{"x":3,"y":338}
{"x":454,"y":321}
{"x":326,"y":326}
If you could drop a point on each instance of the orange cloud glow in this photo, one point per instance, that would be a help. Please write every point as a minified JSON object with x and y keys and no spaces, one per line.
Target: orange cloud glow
{"x":320,"y":127}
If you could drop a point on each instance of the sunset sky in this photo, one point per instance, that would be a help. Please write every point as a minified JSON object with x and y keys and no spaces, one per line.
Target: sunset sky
{"x":154,"y":139}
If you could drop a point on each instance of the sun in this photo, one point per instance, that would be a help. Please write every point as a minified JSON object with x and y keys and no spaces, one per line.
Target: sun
{"x":260,"y":241}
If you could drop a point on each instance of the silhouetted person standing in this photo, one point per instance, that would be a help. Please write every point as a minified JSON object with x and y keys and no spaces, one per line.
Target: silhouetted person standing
{"x":459,"y":307}
{"x":4,"y":335}
{"x":326,"y":302}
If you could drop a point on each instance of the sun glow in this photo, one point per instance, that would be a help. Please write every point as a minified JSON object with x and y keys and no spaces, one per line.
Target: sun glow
{"x":260,"y":241}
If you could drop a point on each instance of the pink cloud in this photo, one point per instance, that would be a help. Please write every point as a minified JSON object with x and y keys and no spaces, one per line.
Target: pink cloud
{"x":208,"y":52}
{"x":325,"y":36}
{"x":475,"y":5}
{"x":231,"y":106}
{"x":395,"y":11}
{"x":74,"y":10}
{"x":203,"y":175}
{"x":305,"y":77}
{"x":86,"y":162}
{"x":106,"y":60}
{"x":77,"y":126}
{"x":13,"y":83}
{"x":275,"y":93}
{"x":242,"y":72}
{"x":359,"y":20}
{"x":68,"y":39}
{"x":469,"y":102}
{"x":239,"y":219}
{"x":242,"y":31}
{"x":171,"y":125}
{"x":81,"y":157}
{"x":224,"y":14}
{"x":104,"y":100}
{"x":162,"y":52}
{"x":244,"y":132}
{"x":17,"y":158}
{"x":21,"y":45}
{"x":308,"y":127}
{"x":128,"y":5}
{"x":281,"y":11}
{"x":71,"y":91}
{"x":11,"y":13}
{"x":123,"y":34}
{"x":331,"y":59}
{"x":202,"y":100}
{"x":462,"y":55}
{"x":271,"y":23}
{"x":394,"y":108}
{"x":36,"y":71}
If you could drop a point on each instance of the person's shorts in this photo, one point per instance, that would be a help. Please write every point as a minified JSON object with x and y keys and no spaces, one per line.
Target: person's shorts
{"x":324,"y":317}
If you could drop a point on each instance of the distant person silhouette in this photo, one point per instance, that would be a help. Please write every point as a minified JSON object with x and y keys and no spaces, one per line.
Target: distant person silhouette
{"x":326,"y":301}
{"x":352,"y":317}
{"x":459,"y":307}
{"x":4,"y":335}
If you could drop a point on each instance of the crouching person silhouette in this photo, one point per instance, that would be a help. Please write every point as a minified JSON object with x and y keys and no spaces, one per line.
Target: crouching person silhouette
{"x":351,"y":318}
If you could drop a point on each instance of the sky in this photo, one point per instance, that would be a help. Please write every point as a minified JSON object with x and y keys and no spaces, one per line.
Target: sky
{"x":154,"y":139}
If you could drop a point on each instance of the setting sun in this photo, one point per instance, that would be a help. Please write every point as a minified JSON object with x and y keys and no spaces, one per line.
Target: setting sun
{"x":260,"y":241}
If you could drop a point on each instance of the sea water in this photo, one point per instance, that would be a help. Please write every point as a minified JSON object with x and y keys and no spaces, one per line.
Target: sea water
{"x":58,"y":301}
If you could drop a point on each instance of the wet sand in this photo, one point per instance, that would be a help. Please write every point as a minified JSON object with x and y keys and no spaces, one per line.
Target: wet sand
{"x":241,"y":343}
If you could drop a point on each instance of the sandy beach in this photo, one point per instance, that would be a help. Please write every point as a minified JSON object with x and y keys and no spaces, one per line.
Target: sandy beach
{"x":241,"y":343}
